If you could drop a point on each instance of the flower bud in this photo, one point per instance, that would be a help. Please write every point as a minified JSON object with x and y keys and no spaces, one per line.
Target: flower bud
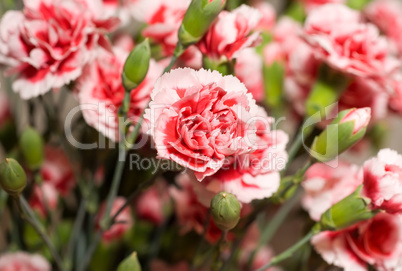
{"x":197,"y":20}
{"x":136,"y":65}
{"x":344,"y":131}
{"x":31,"y":145}
{"x":131,"y":263}
{"x":347,"y":212}
{"x":225,"y":210}
{"x":12,"y":177}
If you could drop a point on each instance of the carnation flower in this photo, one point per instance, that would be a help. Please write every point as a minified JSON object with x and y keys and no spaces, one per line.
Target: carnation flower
{"x":44,"y":198}
{"x":48,"y":43}
{"x":191,"y":213}
{"x":339,"y":38}
{"x":230,"y":33}
{"x":124,"y":220}
{"x":58,"y":180}
{"x":383,"y":181}
{"x":248,"y":69}
{"x":200,"y":119}
{"x":377,"y":242}
{"x":151,"y":204}
{"x":22,"y":261}
{"x":101,"y":93}
{"x":325,"y":185}
{"x":386,"y":14}
{"x":254,"y":175}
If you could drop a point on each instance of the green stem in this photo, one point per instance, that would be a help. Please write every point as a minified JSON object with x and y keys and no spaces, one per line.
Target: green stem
{"x":290,"y":251}
{"x":269,"y":231}
{"x":28,"y":215}
{"x":106,"y":219}
{"x":90,"y":252}
{"x":76,"y":230}
{"x":134,"y":194}
{"x":199,"y":245}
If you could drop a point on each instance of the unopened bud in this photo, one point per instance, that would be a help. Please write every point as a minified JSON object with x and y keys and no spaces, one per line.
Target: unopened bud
{"x":12,"y":177}
{"x":197,"y":20}
{"x":347,"y":212}
{"x":131,"y":263}
{"x":136,"y":66}
{"x":225,"y":210}
{"x":31,"y":145}
{"x":344,"y":131}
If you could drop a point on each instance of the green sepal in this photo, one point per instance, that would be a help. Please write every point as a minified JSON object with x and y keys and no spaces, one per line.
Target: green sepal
{"x":347,"y":212}
{"x":131,"y":263}
{"x":197,"y":20}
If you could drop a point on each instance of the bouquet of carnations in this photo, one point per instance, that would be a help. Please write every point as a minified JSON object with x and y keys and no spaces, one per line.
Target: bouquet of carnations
{"x":196,"y":135}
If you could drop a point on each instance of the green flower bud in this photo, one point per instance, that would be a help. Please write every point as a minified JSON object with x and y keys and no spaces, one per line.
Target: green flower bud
{"x":344,"y":131}
{"x":131,"y":263}
{"x":31,"y":145}
{"x":347,"y":212}
{"x":197,"y":20}
{"x":225,"y":210}
{"x":12,"y":177}
{"x":136,"y":65}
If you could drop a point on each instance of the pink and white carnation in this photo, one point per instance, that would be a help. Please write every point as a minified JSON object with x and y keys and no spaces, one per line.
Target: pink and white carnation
{"x":49,"y":42}
{"x":57,"y":170}
{"x":340,"y":38}
{"x":164,"y":18}
{"x":387,"y":15}
{"x":124,"y":221}
{"x":383,"y":181}
{"x":231,"y":33}
{"x":376,"y":242}
{"x":44,"y":198}
{"x":22,"y":261}
{"x":248,"y":69}
{"x":100,"y":91}
{"x":200,"y":119}
{"x":253,"y":175}
{"x":325,"y":185}
{"x":313,"y":4}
